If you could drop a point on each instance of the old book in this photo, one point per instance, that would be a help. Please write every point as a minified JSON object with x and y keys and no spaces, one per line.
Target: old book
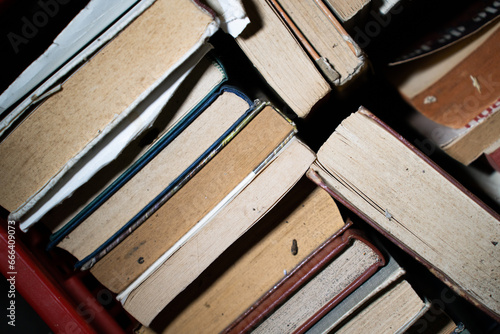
{"x":323,"y":37}
{"x":212,"y":126}
{"x":251,"y":266}
{"x":280,"y":59}
{"x":98,"y":108}
{"x":314,"y":288}
{"x":167,"y":193}
{"x":408,"y":198}
{"x":213,"y":186}
{"x":359,"y":298}
{"x":151,"y":294}
{"x":391,"y":312}
{"x":83,"y":29}
{"x":456,"y":93}
{"x":200,"y":88}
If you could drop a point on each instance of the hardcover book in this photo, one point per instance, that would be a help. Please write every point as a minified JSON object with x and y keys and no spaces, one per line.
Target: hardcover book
{"x":455,"y":91}
{"x":142,"y":298}
{"x":314,"y":288}
{"x":404,"y":195}
{"x":304,"y":219}
{"x":300,"y":49}
{"x":194,"y":95}
{"x":81,"y":128}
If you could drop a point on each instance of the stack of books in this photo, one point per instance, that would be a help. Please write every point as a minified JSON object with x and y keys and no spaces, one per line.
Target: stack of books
{"x":198,"y":204}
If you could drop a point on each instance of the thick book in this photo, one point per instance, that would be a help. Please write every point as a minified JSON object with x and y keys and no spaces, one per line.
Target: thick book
{"x":302,"y":221}
{"x":153,"y":291}
{"x":282,"y":62}
{"x":94,"y":20}
{"x":162,"y":179}
{"x":348,"y":315}
{"x":313,"y":288}
{"x":455,"y":91}
{"x":81,"y":128}
{"x":392,"y":311}
{"x":186,"y":104}
{"x":328,"y":44}
{"x":143,"y":180}
{"x":407,"y":197}
{"x":300,"y":52}
{"x":212,"y":188}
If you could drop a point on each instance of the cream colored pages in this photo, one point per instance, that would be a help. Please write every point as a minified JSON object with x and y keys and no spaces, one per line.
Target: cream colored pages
{"x":198,"y":84}
{"x":389,"y":313}
{"x":155,"y":176}
{"x":416,"y":205}
{"x":255,"y":262}
{"x":326,"y":39}
{"x":280,"y":59}
{"x":325,"y":286}
{"x":360,"y":297}
{"x":147,"y":299}
{"x":95,"y":99}
{"x":89,"y":23}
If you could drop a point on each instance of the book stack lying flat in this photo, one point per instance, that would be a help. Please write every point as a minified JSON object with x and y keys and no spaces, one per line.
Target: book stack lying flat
{"x":100,"y":107}
{"x":202,"y":210}
{"x":338,"y":283}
